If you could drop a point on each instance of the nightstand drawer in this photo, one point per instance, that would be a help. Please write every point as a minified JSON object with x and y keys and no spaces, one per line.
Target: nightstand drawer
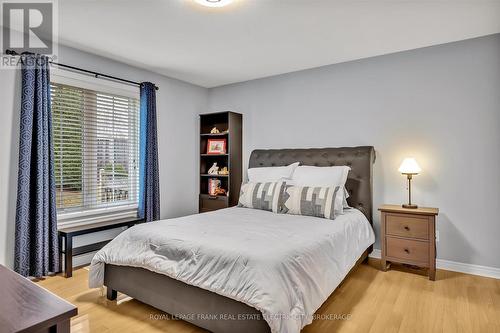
{"x":407,"y":226}
{"x":407,"y":249}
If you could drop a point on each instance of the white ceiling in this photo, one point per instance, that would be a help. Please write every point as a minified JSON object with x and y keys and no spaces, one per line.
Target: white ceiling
{"x":251,"y":39}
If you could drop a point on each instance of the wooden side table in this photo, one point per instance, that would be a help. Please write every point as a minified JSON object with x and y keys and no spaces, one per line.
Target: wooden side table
{"x":409,"y":236}
{"x":26,"y":307}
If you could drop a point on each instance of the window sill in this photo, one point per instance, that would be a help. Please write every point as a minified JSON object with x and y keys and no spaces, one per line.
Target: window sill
{"x":95,"y":216}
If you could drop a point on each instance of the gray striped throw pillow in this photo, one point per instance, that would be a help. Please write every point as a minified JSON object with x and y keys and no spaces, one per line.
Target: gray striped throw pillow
{"x":265,"y":196}
{"x":325,"y":202}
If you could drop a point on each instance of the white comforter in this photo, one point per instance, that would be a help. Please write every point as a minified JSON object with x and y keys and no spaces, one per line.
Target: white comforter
{"x":283,"y":265}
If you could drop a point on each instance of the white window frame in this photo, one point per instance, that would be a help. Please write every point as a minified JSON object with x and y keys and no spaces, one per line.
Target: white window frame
{"x":83,"y":81}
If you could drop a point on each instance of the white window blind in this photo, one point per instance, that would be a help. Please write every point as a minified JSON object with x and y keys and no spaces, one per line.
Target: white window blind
{"x":96,"y":150}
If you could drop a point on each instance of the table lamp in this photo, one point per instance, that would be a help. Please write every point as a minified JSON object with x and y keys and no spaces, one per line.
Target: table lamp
{"x":409,"y":167}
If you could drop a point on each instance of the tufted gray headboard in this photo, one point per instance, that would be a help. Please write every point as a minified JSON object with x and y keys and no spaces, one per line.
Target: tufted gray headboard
{"x":360,"y":159}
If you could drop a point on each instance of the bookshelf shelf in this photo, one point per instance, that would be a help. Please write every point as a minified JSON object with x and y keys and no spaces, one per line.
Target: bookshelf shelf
{"x":214,"y":134}
{"x":214,"y":155}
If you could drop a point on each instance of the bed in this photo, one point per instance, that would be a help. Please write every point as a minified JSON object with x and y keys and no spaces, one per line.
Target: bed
{"x":246,"y":270}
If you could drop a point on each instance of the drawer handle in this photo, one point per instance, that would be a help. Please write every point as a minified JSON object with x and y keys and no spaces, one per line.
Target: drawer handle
{"x":407,"y":251}
{"x":407,"y":228}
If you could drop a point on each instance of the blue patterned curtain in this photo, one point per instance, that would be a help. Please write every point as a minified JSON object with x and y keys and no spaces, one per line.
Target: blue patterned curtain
{"x":149,"y":182}
{"x":36,"y":243}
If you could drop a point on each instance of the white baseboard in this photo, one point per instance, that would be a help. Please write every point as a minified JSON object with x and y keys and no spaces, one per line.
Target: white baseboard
{"x":376,"y":253}
{"x":454,"y":266}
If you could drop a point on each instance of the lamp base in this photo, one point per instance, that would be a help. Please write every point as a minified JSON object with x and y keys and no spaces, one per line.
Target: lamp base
{"x":410,"y":206}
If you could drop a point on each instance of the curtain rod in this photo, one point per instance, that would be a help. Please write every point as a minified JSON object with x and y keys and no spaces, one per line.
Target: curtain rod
{"x":96,"y":74}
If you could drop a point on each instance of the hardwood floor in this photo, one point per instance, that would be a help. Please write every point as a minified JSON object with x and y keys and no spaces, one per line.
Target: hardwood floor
{"x":368,"y":301}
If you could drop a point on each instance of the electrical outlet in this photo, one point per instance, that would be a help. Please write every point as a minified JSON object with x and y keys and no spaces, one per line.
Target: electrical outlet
{"x":437,"y":236}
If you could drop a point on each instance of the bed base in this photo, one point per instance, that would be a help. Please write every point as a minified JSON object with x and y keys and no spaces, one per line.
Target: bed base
{"x":198,"y":306}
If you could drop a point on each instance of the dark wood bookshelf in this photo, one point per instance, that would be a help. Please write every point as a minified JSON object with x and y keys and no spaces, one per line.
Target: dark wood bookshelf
{"x":230,"y":125}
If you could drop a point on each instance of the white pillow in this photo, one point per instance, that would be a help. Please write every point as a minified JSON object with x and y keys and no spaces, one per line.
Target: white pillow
{"x":305,"y":175}
{"x":271,"y":174}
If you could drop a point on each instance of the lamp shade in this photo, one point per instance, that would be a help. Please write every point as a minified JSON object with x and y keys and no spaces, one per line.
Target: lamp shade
{"x":409,"y":166}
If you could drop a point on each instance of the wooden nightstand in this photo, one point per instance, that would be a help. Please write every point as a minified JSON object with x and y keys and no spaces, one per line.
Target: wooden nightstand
{"x":409,"y":236}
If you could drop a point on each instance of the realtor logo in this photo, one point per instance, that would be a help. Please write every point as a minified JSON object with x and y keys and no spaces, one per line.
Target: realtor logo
{"x":28,"y":27}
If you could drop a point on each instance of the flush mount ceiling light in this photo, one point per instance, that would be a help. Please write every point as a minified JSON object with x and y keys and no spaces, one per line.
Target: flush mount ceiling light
{"x":213,"y":3}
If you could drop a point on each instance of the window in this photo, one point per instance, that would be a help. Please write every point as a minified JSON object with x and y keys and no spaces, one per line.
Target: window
{"x":96,"y":152}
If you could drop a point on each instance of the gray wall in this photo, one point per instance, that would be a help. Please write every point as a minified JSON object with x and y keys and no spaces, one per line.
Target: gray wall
{"x":439,"y":104}
{"x":178,"y":105}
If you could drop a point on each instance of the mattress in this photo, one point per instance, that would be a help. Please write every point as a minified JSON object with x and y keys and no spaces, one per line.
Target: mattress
{"x":285,"y":266}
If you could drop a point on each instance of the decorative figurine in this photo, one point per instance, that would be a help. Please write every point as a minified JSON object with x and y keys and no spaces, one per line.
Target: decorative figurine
{"x":214,"y":131}
{"x":213,"y":170}
{"x":224,"y":171}
{"x":220,"y":191}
